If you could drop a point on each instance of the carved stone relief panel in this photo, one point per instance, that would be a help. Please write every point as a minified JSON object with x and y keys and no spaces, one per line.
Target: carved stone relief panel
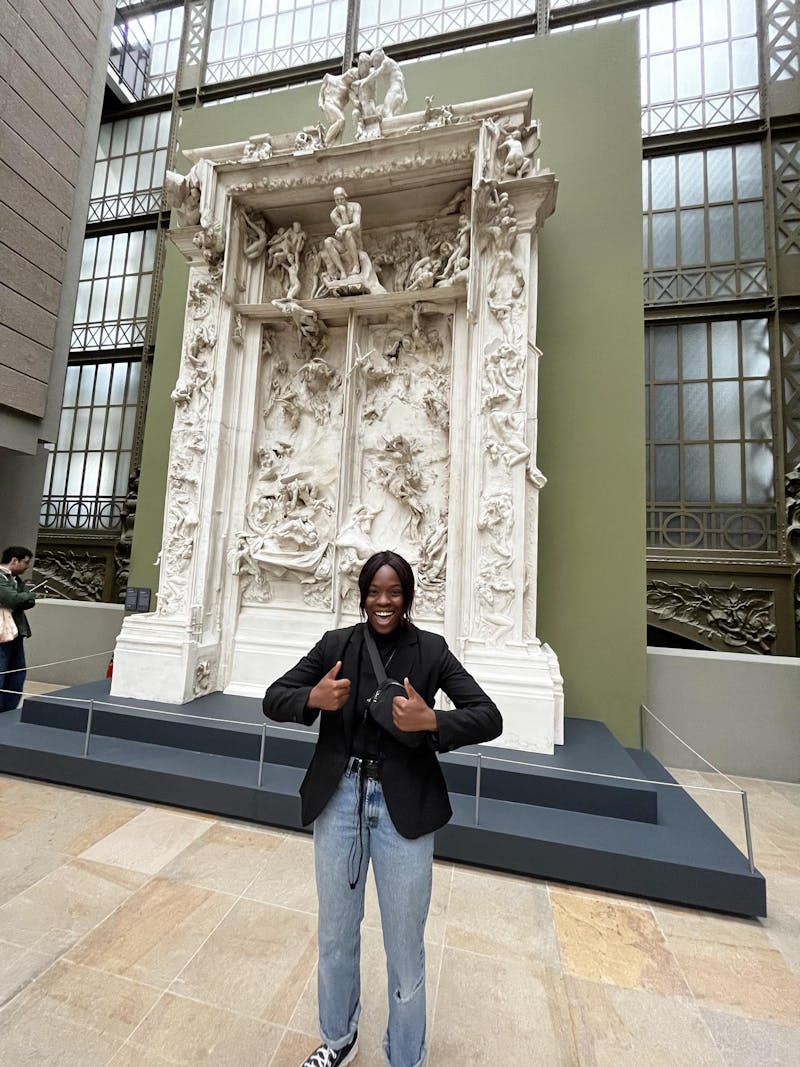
{"x":284,"y":553}
{"x":400,"y":462}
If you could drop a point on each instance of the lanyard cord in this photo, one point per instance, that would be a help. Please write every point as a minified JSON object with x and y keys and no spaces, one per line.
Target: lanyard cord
{"x":357,"y":847}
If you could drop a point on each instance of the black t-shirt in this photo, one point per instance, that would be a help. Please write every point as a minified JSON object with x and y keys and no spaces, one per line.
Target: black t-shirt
{"x":367,"y":734}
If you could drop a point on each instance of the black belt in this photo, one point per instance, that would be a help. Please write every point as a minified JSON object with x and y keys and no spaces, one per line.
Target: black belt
{"x":367,"y":768}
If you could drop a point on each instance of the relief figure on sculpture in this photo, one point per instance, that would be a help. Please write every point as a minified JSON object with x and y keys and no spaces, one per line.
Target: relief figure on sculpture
{"x":283,"y":553}
{"x":400,"y":464}
{"x":348,"y":269}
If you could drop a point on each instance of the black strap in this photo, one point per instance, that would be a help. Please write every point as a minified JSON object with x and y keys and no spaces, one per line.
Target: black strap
{"x":377,"y":663}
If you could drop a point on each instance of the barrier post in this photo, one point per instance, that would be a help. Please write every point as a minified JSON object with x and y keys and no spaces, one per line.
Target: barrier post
{"x":748,"y":835}
{"x":478,"y":790}
{"x":88,"y":728}
{"x":261,"y":755}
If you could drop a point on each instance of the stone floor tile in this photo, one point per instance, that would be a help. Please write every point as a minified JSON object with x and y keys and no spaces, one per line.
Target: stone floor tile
{"x":782,"y":924}
{"x":501,"y":915}
{"x":38,"y":1038}
{"x":23,"y":864}
{"x":149,"y":841}
{"x":608,"y":941}
{"x":287,"y":877}
{"x":710,"y":926}
{"x":188,"y":1032}
{"x":256,"y":962}
{"x":154,"y":934}
{"x":492,"y":1010}
{"x":100,"y":1004}
{"x":225,"y":858}
{"x":742,"y":980}
{"x":18,"y":814}
{"x":51,"y":915}
{"x":18,"y":968}
{"x":295,"y":1046}
{"x":748,"y":1042}
{"x":616,"y":1027}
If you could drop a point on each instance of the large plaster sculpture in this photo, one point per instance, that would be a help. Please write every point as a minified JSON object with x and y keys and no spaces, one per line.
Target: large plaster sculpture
{"x":359,"y":371}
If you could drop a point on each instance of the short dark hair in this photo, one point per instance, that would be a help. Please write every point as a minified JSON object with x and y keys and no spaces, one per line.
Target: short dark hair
{"x":400,"y":566}
{"x":15,"y":552}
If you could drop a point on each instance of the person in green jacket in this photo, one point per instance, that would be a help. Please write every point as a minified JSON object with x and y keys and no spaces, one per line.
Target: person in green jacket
{"x":15,"y":596}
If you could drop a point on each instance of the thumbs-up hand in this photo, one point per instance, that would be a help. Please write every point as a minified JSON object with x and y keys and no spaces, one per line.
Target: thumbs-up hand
{"x":331,"y":692}
{"x":411,"y":712}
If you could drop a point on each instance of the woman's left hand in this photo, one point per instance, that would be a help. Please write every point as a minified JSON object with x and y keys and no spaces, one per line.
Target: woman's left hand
{"x":411,"y":712}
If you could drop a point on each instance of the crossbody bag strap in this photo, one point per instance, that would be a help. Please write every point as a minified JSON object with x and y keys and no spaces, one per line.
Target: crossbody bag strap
{"x":372,"y":648}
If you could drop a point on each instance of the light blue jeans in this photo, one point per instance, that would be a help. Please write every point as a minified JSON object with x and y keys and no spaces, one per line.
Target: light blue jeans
{"x":403,"y":873}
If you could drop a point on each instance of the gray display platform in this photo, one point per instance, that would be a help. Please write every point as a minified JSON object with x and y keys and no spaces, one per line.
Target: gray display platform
{"x":566,"y":817}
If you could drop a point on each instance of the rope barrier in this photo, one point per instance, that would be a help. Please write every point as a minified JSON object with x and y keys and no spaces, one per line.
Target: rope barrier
{"x":280,"y":728}
{"x":58,"y":663}
{"x":693,"y":751}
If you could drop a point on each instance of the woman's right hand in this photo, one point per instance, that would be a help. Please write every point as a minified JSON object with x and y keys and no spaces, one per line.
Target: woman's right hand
{"x":331,"y":692}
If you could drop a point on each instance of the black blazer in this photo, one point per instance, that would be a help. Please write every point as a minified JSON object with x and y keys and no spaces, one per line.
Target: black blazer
{"x":412,"y":780}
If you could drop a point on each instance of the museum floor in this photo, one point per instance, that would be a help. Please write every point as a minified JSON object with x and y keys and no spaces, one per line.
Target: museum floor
{"x":137,"y":934}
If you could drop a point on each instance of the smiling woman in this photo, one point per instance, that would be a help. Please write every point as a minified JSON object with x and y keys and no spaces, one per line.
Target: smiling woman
{"x":374,"y":798}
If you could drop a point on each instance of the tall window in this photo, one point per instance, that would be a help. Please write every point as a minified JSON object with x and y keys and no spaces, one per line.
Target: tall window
{"x":267,"y":35}
{"x":87,"y":474}
{"x":129,"y":167}
{"x":386,"y":22}
{"x":704,"y":225}
{"x":114,"y":290}
{"x":711,"y":478}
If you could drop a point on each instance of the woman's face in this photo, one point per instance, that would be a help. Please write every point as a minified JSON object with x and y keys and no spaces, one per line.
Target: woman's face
{"x":384,"y":601}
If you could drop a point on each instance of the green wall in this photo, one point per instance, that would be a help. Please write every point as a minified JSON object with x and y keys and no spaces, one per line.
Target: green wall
{"x":591,"y":394}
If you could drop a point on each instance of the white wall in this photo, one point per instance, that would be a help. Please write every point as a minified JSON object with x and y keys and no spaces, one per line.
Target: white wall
{"x":741,"y":712}
{"x":66,"y":629}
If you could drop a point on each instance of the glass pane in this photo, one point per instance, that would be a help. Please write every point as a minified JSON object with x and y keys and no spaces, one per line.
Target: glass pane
{"x":720,"y":174}
{"x":687,"y":23}
{"x":749,"y":180}
{"x":716,"y":63}
{"x":757,"y":410}
{"x":108,"y":468}
{"x":662,"y":170}
{"x":696,"y":473}
{"x":694,"y":352}
{"x":65,"y":429}
{"x":755,"y":348}
{"x":665,"y":351}
{"x":727,"y":474}
{"x":662,"y":79}
{"x":120,"y":374}
{"x":726,"y":411}
{"x":760,"y":473}
{"x":86,"y":388}
{"x":695,"y":412}
{"x":74,"y":485}
{"x":664,"y":251}
{"x":81,"y":431}
{"x":71,"y":385}
{"x":690,"y":73}
{"x":724,"y":350}
{"x":751,"y":231}
{"x":690,"y":169}
{"x":665,"y":400}
{"x":58,"y":486}
{"x":715,"y":19}
{"x":720,"y":226}
{"x":693,"y":237}
{"x":113,"y":426}
{"x":97,"y":428}
{"x":744,"y":56}
{"x":667,"y":487}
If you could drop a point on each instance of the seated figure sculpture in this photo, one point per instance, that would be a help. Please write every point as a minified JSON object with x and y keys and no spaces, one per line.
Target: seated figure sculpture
{"x":349,"y":269}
